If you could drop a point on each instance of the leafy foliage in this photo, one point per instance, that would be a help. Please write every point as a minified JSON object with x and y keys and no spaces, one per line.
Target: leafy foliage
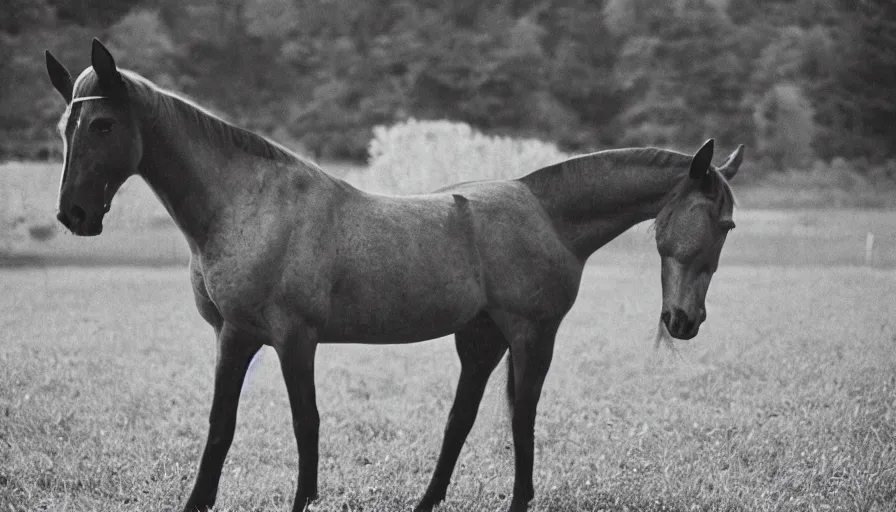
{"x":784,"y":127}
{"x":319,"y":75}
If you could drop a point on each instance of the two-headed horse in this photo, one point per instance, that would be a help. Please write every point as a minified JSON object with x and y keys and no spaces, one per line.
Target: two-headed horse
{"x":287,"y":256}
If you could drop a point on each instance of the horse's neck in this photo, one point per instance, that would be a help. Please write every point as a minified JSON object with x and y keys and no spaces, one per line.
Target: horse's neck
{"x":594,"y":199}
{"x":182,"y":185}
{"x":197,"y":181}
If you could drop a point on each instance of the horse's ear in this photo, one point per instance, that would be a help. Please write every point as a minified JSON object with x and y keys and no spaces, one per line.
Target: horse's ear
{"x":59,"y":76}
{"x":732,"y":164}
{"x":702,"y":160}
{"x":104,"y":66}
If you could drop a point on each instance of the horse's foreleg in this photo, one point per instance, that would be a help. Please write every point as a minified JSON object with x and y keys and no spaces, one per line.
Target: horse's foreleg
{"x":480,"y":346}
{"x":234,"y":354}
{"x":531,"y":351}
{"x":296,"y":354}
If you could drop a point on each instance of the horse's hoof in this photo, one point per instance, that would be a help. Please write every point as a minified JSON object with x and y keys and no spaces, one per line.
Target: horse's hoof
{"x":426,"y":506}
{"x":429,"y":502}
{"x":301,"y":504}
{"x":519,"y":506}
{"x":191,"y":507}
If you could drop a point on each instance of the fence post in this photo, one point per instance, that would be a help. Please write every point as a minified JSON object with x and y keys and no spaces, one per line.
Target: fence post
{"x":869,"y":248}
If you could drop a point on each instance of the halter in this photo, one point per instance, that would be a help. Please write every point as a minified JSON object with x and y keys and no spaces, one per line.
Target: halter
{"x":106,"y":204}
{"x":88,"y":98}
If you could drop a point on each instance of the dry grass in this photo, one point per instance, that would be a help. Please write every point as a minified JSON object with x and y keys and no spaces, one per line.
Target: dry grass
{"x":786,"y":401}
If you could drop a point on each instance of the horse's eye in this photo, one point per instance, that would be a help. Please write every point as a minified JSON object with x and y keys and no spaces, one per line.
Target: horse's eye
{"x":102,"y":125}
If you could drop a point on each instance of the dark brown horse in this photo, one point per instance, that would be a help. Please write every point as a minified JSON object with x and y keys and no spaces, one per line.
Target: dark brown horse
{"x":287,"y":256}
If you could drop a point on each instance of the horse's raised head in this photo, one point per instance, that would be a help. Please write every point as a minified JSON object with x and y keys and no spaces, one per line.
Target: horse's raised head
{"x":101,"y":140}
{"x":690,"y":232}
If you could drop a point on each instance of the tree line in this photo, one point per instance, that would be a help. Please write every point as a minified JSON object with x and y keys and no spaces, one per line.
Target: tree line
{"x":796,"y":80}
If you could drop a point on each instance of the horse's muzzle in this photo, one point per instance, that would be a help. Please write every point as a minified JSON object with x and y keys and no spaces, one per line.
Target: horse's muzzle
{"x":680,"y":325}
{"x":79,"y":222}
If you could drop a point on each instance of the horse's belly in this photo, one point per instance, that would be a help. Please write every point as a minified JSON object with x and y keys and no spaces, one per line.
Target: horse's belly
{"x":361,"y":332}
{"x":402,"y":306}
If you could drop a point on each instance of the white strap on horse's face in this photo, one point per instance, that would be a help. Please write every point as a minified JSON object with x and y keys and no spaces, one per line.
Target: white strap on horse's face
{"x":84,"y":98}
{"x":88,"y":98}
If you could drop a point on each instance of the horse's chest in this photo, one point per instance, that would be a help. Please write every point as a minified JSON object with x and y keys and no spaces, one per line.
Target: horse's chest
{"x":236,"y":289}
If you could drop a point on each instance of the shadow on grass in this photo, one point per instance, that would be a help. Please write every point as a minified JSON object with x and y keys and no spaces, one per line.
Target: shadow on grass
{"x":21,"y":261}
{"x":26,"y":261}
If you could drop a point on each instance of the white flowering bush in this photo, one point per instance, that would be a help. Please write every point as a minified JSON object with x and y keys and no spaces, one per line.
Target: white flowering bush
{"x":420,"y":156}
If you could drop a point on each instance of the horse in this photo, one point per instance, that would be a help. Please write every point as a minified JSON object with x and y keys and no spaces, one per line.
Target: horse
{"x":285,"y":255}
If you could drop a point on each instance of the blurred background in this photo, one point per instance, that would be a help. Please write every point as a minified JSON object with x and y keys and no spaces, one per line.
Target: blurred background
{"x":785,"y":402}
{"x":806,"y":85}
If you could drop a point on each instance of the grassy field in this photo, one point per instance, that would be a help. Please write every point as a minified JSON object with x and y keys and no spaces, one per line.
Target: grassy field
{"x":785,"y":401}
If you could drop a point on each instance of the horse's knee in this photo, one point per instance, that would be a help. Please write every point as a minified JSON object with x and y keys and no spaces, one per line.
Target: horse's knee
{"x":221,"y":430}
{"x":220,"y":439}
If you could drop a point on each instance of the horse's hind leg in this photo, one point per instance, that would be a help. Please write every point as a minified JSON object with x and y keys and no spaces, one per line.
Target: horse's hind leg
{"x":480,"y":346}
{"x":234,"y":354}
{"x":531,"y":351}
{"x":296,"y":351}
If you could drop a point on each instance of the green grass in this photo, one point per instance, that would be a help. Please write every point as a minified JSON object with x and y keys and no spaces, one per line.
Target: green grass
{"x":785,"y":401}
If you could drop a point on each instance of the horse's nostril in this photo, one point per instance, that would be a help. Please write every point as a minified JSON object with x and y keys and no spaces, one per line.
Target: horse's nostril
{"x":679,"y":321}
{"x":664,"y":317}
{"x":77,"y":214}
{"x":680,"y":314}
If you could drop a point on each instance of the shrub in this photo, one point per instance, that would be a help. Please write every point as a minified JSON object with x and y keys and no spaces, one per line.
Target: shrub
{"x":11,"y":219}
{"x":785,"y":127}
{"x":27,"y":200}
{"x":421,"y":156}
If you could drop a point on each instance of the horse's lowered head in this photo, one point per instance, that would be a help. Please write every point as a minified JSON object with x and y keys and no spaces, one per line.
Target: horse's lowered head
{"x":690,"y":232}
{"x":101,"y":138}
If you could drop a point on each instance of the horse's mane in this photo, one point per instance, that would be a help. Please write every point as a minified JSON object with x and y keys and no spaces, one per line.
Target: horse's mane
{"x":582,"y":169}
{"x":717,"y":188}
{"x":645,"y":157}
{"x":159,"y":102}
{"x":581,"y":174}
